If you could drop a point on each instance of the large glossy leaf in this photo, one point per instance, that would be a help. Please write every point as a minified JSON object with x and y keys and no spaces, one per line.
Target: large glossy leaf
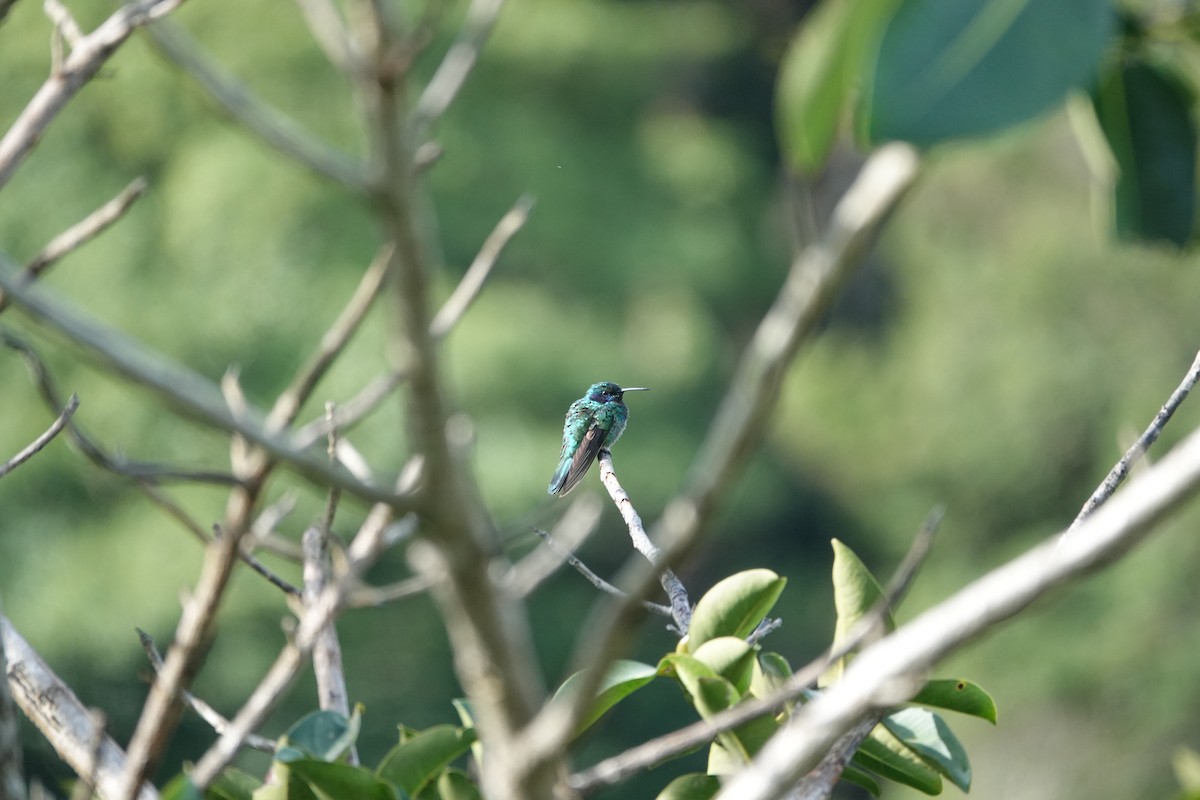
{"x":885,"y":755}
{"x":862,"y":779}
{"x":969,"y":67}
{"x":333,"y":781}
{"x":1146,"y":116}
{"x":693,"y":786}
{"x":826,"y":57}
{"x":960,"y":695}
{"x":731,"y":658}
{"x":735,"y":606}
{"x":622,"y":679}
{"x":928,"y":735}
{"x":855,"y":594}
{"x":771,"y":672}
{"x":418,"y":761}
{"x":452,"y":784}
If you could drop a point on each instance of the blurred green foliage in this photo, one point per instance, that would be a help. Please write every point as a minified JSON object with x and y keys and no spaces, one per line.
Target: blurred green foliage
{"x":994,"y":355}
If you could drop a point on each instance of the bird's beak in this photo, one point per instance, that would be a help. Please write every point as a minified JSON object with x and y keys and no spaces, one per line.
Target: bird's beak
{"x":636,"y":389}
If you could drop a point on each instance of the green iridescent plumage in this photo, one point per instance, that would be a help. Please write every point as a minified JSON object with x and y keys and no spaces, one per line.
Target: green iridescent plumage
{"x":594,"y":423}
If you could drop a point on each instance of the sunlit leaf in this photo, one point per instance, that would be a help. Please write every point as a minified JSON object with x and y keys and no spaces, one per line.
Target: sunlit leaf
{"x":232,"y":784}
{"x":855,"y":594}
{"x":735,"y":606}
{"x":731,"y":658}
{"x":888,"y":757}
{"x":693,"y":786}
{"x":623,"y":679}
{"x":418,"y":761}
{"x":962,"y":696}
{"x":334,"y":781}
{"x":181,"y":788}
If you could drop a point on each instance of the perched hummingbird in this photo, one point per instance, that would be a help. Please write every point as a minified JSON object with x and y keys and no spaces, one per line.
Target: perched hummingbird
{"x":594,"y":423}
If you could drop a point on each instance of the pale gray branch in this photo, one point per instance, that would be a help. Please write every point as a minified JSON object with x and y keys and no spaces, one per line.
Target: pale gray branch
{"x":262,"y":119}
{"x":583,"y":569}
{"x":88,"y":55}
{"x":67,"y":724}
{"x":12,"y":780}
{"x":973,"y":611}
{"x":460,"y":59}
{"x":30,"y":450}
{"x":1118,"y":473}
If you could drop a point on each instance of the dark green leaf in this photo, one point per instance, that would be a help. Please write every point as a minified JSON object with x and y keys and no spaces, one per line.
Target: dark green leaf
{"x":1146,"y":116}
{"x":947,"y":70}
{"x":928,"y":735}
{"x":414,"y":764}
{"x":885,"y":755}
{"x":623,"y":679}
{"x":735,"y":606}
{"x":693,"y":786}
{"x":232,"y":784}
{"x":454,"y":784}
{"x":324,"y":734}
{"x":859,"y":778}
{"x":962,"y":696}
{"x":333,"y":781}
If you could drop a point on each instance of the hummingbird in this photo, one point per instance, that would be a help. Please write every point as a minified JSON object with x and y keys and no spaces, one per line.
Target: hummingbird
{"x":594,"y":423}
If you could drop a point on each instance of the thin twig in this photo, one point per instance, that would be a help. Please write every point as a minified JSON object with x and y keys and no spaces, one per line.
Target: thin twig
{"x":259,"y":117}
{"x":377,"y":596}
{"x":571,"y":531}
{"x":351,"y":412}
{"x":452,"y":73}
{"x":30,"y":450}
{"x":85,"y":60}
{"x":477,"y":274}
{"x":617,"y":768}
{"x":63,"y":20}
{"x":58,"y":714}
{"x":209,"y":714}
{"x":601,"y":584}
{"x":681,"y":606}
{"x":971,"y":612}
{"x":1119,"y":472}
{"x":83,"y":231}
{"x":329,"y":31}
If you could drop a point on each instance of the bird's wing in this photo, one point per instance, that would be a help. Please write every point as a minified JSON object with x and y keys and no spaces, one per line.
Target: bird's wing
{"x":585,"y":454}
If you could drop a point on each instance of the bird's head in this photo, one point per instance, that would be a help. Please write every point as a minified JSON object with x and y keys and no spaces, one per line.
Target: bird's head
{"x":606,"y":391}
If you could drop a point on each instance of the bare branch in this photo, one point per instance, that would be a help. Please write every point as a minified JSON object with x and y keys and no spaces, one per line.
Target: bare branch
{"x":452,"y":73}
{"x":977,"y":609}
{"x":377,"y":596}
{"x":572,"y":530}
{"x":86,"y":785}
{"x":206,"y":712}
{"x":329,"y":31}
{"x":818,"y":784}
{"x":681,"y":606}
{"x":89,"y":54}
{"x":816,"y":273}
{"x":262,"y":119}
{"x":477,"y":274}
{"x":327,"y":652}
{"x":66,"y":722}
{"x":1118,"y":473}
{"x":188,"y":390}
{"x":85,"y":230}
{"x":44,"y":439}
{"x":351,"y":412}
{"x":12,"y":781}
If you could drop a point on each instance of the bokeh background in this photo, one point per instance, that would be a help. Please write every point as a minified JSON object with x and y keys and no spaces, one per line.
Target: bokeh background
{"x":996,"y":354}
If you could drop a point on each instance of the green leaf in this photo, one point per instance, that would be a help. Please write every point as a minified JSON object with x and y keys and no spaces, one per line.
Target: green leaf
{"x":826,"y":57}
{"x":970,"y":67}
{"x":333,"y":781}
{"x":323,"y":734}
{"x":859,"y":778}
{"x":735,"y":606}
{"x":885,"y":755}
{"x":623,"y":679}
{"x":285,"y":785}
{"x":181,"y":788}
{"x":1145,"y":113}
{"x":962,"y":696}
{"x":415,"y":763}
{"x":772,"y":670}
{"x":454,"y":784}
{"x":928,"y":735}
{"x":855,"y":594}
{"x":232,"y":784}
{"x":693,"y":786}
{"x":467,"y":715}
{"x":731,"y":658}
